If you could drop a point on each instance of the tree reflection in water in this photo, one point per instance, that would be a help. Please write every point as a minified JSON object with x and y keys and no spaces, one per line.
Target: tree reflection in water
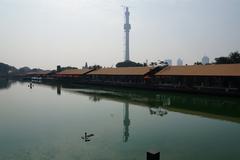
{"x":5,"y":83}
{"x":159,"y":103}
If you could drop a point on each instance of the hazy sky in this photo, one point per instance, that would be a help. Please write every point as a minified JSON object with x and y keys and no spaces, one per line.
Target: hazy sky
{"x":45,"y":33}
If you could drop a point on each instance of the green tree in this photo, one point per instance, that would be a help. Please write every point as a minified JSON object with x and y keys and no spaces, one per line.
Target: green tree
{"x":234,"y":57}
{"x":222,"y":60}
{"x":128,"y":64}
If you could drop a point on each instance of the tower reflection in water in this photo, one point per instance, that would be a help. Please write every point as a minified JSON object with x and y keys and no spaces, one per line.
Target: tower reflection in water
{"x":159,"y":111}
{"x":126,"y":122}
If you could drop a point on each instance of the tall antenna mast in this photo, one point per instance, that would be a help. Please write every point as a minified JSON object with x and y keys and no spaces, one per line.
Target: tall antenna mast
{"x":127,"y":28}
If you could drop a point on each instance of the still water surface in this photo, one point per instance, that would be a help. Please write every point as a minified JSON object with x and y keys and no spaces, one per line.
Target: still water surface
{"x":47,"y":122}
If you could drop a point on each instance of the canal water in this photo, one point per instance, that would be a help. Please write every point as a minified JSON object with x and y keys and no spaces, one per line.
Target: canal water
{"x":49,"y":121}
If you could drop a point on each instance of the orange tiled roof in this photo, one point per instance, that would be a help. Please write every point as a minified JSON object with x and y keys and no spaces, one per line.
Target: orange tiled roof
{"x":38,"y":73}
{"x":121,"y":71}
{"x":202,"y":70}
{"x":74,"y":72}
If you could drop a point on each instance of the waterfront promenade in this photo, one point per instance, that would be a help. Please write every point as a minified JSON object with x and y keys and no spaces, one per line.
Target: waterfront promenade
{"x":210,"y":79}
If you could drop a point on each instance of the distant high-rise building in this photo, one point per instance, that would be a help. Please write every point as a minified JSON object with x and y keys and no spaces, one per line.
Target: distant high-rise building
{"x":86,"y":65}
{"x":127,"y":28}
{"x":205,"y":60}
{"x":179,"y":62}
{"x":169,"y":61}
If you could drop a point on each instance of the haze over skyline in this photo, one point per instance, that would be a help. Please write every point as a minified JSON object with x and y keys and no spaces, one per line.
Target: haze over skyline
{"x":47,"y":33}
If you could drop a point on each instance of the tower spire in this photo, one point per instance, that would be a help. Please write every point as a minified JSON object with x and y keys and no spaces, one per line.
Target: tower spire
{"x":127,"y":28}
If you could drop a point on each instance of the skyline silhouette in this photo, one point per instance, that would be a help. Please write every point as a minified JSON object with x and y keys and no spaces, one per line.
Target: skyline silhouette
{"x":47,"y":33}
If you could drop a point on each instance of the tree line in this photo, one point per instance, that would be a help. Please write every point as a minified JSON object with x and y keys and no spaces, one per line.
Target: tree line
{"x":233,"y":57}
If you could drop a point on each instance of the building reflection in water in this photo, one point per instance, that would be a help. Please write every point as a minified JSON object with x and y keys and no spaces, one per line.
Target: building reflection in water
{"x":94,"y":98}
{"x":161,"y":104}
{"x":126,"y":122}
{"x":160,"y":111}
{"x":59,"y":89}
